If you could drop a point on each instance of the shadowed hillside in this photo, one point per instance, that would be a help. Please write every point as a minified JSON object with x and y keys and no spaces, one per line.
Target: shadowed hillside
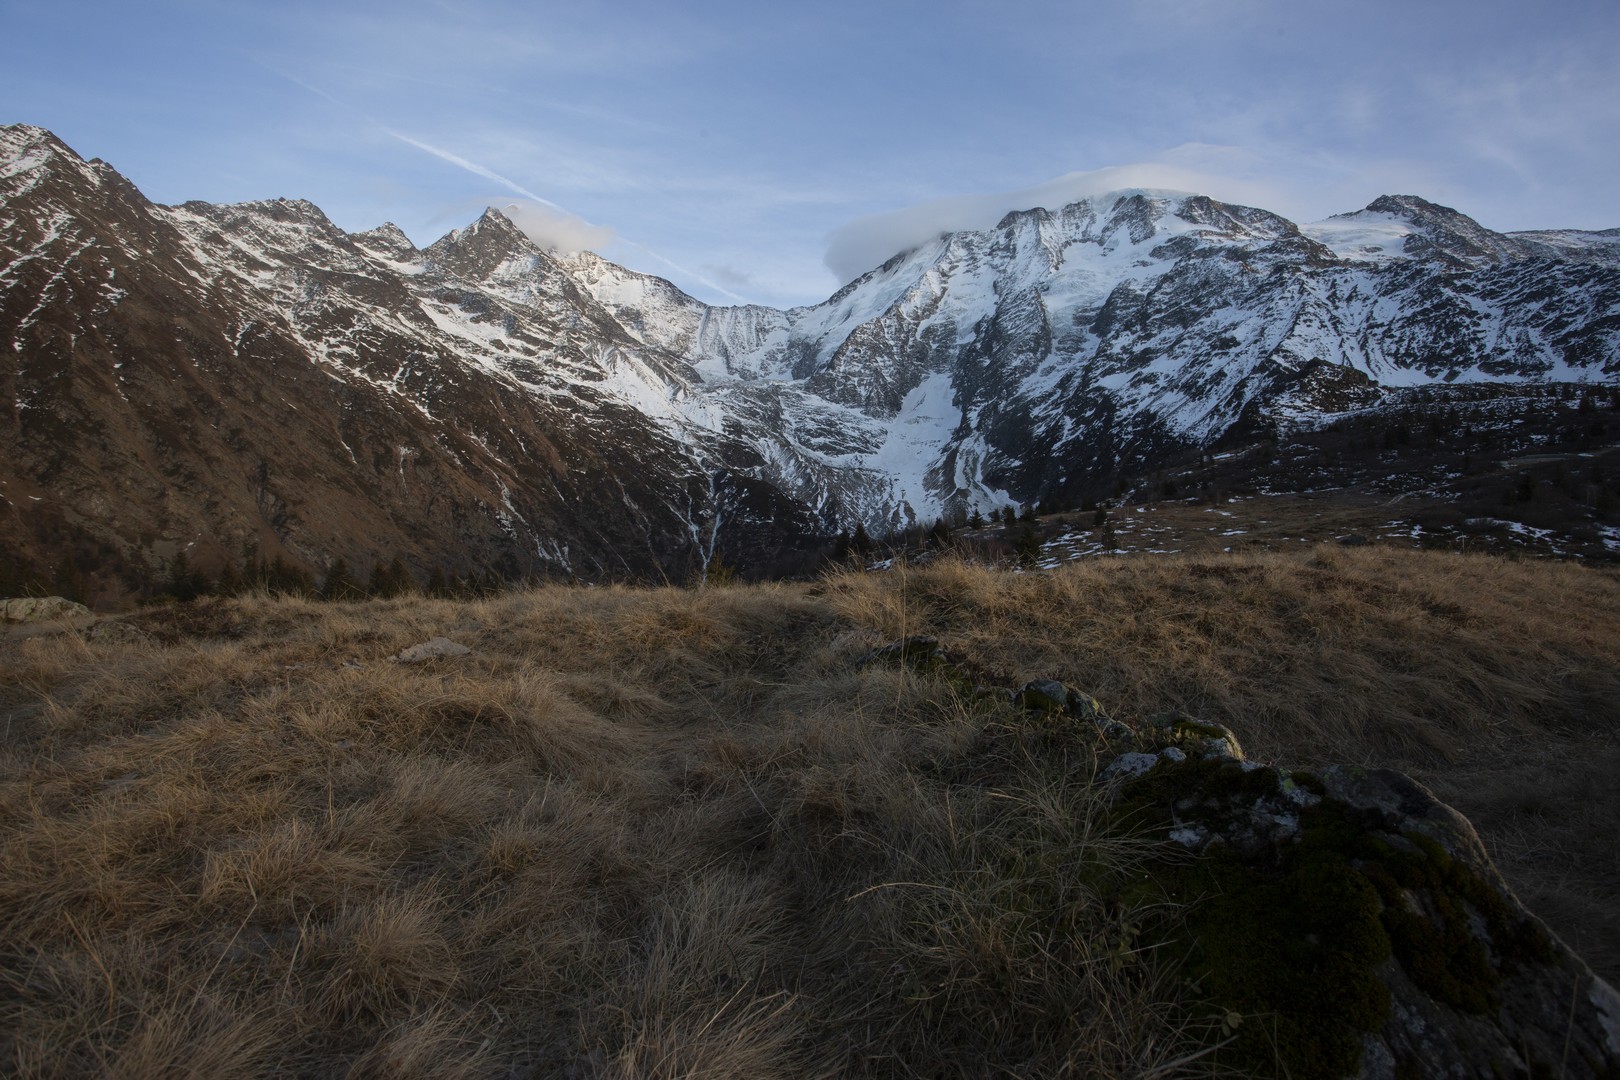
{"x":689,"y":833}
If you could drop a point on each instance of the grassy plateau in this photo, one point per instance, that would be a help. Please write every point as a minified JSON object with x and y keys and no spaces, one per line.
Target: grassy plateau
{"x":687,"y":833}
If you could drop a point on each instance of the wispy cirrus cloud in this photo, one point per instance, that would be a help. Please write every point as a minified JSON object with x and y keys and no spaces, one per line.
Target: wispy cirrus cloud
{"x":473,"y":167}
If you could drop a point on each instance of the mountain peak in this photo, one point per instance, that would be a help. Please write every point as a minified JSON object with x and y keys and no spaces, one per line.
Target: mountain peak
{"x":475,"y":252}
{"x":1410,"y":206}
{"x":17,"y":140}
{"x":491,"y":225}
{"x":30,"y":154}
{"x":25,"y":135}
{"x":1446,"y":234}
{"x":493,"y":221}
{"x":388,"y":240}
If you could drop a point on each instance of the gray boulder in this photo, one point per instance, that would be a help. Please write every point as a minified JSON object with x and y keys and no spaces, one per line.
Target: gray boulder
{"x":31,"y":609}
{"x":1351,"y":924}
{"x":1337,"y":923}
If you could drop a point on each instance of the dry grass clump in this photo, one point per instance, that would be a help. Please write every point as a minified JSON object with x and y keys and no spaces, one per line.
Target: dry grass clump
{"x":679,"y":834}
{"x":1323,"y":656}
{"x":1494,"y":681}
{"x":634,"y":833}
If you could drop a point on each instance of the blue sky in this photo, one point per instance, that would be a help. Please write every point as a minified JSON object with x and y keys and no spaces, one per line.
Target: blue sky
{"x":761,"y":152}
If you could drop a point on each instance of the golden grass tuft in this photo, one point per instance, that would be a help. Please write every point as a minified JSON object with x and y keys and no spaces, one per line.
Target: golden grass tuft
{"x":658,"y":832}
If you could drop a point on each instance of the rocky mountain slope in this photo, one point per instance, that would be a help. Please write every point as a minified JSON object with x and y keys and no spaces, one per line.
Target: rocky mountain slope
{"x":1063,"y":349}
{"x":206,"y":379}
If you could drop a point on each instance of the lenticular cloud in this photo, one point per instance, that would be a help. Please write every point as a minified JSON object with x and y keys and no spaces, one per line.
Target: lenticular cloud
{"x":556,"y":229}
{"x":870,"y":241}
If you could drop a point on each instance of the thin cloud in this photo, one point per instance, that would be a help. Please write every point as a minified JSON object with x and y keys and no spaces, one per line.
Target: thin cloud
{"x":556,"y":229}
{"x":685,"y":273}
{"x":473,"y":167}
{"x":730,"y":275}
{"x":869,"y":241}
{"x":554,"y":225}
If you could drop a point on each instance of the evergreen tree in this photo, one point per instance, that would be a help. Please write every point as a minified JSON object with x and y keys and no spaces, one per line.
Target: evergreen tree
{"x":390,"y":579}
{"x":861,"y":542}
{"x":184,"y":583}
{"x":400,"y":579}
{"x":68,"y":582}
{"x":230,"y":580}
{"x":1027,"y":544}
{"x":339,"y":583}
{"x":975,"y":519}
{"x":282,"y":577}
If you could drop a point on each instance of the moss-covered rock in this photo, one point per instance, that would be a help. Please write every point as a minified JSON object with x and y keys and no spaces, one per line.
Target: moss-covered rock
{"x":1348,"y":923}
{"x":1342,"y":922}
{"x":1044,"y":695}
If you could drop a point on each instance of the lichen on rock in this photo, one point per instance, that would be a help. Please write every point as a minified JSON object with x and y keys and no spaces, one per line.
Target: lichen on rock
{"x":29,"y":609}
{"x":1339,"y":922}
{"x":1358,"y":923}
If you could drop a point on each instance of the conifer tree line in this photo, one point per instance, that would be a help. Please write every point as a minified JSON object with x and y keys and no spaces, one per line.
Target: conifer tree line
{"x":1019,"y":536}
{"x":278,"y":577}
{"x":1010,"y":533}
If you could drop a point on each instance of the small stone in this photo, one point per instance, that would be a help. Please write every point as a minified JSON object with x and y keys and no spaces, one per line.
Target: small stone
{"x":1299,"y":796}
{"x":1084,"y":706}
{"x":427,"y":650}
{"x":1167,"y":719}
{"x":1113,"y":729}
{"x":1044,"y":695}
{"x":1190,"y":836}
{"x":1129,"y":766}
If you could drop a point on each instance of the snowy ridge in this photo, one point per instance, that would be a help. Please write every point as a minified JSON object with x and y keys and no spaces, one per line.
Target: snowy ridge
{"x":1164,"y":316}
{"x":1045,"y":358}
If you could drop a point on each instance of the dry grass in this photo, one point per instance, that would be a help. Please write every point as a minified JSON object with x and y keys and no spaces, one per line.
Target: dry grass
{"x":1494,"y":681}
{"x":660,"y":833}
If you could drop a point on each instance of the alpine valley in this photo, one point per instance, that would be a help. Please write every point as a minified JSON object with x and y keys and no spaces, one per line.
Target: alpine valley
{"x":210,"y":380}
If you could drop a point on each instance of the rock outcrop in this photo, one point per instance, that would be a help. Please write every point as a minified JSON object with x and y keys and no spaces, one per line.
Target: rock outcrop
{"x":1336,"y":922}
{"x":30,"y":609}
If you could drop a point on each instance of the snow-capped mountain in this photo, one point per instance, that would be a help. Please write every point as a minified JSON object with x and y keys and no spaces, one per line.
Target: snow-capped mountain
{"x":1061,"y":349}
{"x":207,"y":377}
{"x":206,"y":380}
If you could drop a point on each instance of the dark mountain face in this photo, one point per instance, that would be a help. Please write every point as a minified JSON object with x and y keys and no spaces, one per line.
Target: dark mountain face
{"x":207,"y":379}
{"x":214,"y":379}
